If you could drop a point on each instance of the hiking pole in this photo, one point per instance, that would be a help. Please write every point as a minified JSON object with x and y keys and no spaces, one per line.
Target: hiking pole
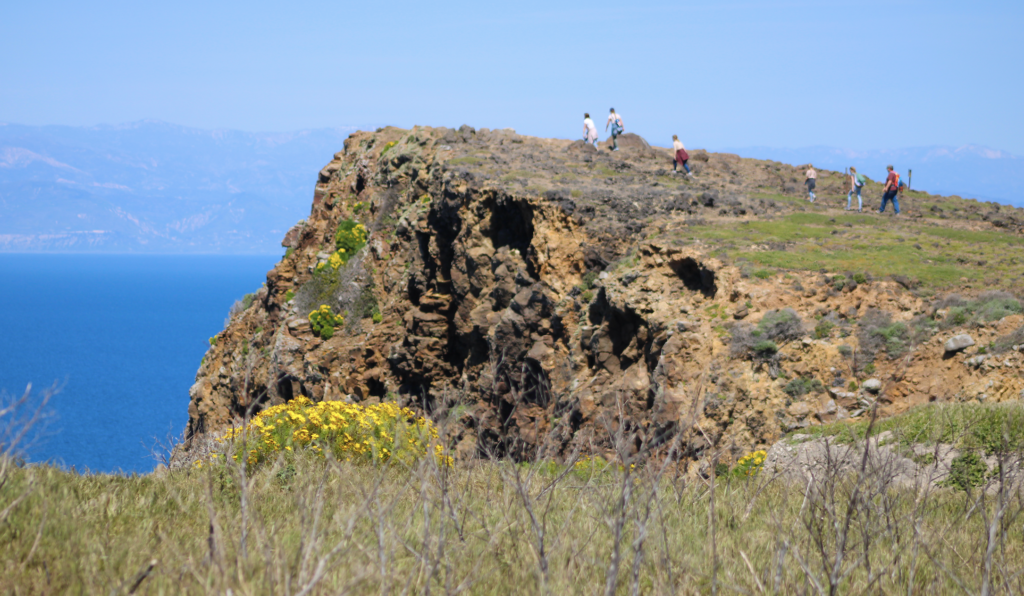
{"x":910,"y":177}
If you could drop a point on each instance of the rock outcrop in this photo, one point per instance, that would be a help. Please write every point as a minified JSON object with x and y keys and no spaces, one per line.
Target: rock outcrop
{"x":541,"y":292}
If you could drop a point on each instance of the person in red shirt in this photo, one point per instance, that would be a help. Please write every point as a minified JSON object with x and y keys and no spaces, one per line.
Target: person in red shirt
{"x":892,"y":187}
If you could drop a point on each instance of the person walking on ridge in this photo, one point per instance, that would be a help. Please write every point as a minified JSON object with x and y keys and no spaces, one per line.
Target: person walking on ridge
{"x":811,"y":180}
{"x":681,"y":156}
{"x":857,"y":182}
{"x":615,"y":121}
{"x":589,"y":130}
{"x":889,"y":192}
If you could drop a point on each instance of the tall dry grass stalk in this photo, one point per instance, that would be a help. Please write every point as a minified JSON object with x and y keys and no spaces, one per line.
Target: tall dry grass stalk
{"x":559,"y":523}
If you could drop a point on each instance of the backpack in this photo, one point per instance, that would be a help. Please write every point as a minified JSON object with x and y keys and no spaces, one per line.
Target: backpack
{"x":861,"y":179}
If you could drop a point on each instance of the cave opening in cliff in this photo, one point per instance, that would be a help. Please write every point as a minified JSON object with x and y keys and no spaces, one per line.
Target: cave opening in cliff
{"x":695,"y":276}
{"x":511,"y":225}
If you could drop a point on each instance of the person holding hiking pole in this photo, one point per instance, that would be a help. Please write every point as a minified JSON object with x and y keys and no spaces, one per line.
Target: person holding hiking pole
{"x":857,"y":182}
{"x":681,"y":156}
{"x":615,"y":121}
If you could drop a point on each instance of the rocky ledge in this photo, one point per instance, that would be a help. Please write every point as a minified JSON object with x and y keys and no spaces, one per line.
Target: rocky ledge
{"x":541,"y":293}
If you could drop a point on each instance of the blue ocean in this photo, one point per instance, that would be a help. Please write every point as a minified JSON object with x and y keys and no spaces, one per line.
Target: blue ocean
{"x":121,"y":337}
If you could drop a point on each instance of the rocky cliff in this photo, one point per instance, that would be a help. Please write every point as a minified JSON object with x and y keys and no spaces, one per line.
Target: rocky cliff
{"x":540,"y":291}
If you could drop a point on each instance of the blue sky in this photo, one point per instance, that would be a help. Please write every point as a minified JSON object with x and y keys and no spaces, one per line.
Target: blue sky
{"x":859,"y":75}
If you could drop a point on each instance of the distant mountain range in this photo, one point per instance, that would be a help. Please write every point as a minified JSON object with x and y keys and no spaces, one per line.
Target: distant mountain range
{"x":969,"y":171}
{"x":156,"y":187}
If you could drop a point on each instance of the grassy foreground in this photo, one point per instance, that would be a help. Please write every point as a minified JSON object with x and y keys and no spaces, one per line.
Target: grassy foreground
{"x":304,"y":525}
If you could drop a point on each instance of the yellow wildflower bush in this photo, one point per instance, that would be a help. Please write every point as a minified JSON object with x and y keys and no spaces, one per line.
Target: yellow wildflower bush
{"x":375,"y":433}
{"x":323,"y":321}
{"x":750,"y":464}
{"x":349,"y":239}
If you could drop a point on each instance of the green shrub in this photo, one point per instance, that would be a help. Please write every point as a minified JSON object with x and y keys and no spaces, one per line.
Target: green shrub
{"x":1006,"y":342}
{"x":774,"y":326}
{"x":860,"y":278}
{"x":839,"y":282}
{"x":213,"y":341}
{"x":956,"y":316}
{"x":896,"y":337}
{"x":762,"y":274}
{"x":967,"y":471}
{"x":377,"y":317}
{"x":802,"y":386}
{"x":877,"y":333}
{"x":782,"y":325}
{"x":588,"y":280}
{"x":289,"y":295}
{"x":870,"y":368}
{"x":388,"y":146}
{"x":990,"y":306}
{"x":823,"y":329}
{"x":323,"y":322}
{"x":587,"y":296}
{"x":365,"y":304}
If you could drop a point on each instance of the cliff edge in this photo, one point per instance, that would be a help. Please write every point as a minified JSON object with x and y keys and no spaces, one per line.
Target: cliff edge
{"x":542,"y":292}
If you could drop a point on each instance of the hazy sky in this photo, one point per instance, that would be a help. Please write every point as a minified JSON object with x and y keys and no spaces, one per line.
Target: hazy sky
{"x":862,"y":75}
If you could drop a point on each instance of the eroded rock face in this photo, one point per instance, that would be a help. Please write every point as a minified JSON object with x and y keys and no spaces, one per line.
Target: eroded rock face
{"x":548,"y":313}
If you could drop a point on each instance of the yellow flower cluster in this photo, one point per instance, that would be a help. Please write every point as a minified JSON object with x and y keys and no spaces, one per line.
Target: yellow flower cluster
{"x":375,"y":433}
{"x":348,"y":240}
{"x":323,"y":321}
{"x":750,"y":464}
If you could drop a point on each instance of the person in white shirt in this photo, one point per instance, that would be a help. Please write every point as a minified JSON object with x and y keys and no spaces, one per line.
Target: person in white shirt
{"x":680,"y":156}
{"x":615,"y":121}
{"x":589,"y":130}
{"x":811,"y":181}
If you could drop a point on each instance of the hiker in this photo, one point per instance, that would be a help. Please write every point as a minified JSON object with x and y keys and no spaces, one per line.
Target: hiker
{"x":811,"y":181}
{"x":889,"y":192}
{"x":857,"y":182}
{"x":681,"y":156}
{"x":615,"y":121}
{"x":589,"y":130}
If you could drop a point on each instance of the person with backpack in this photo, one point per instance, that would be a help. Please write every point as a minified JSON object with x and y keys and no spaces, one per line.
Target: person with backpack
{"x":681,"y":156}
{"x":889,"y":192}
{"x":589,"y":130}
{"x":811,"y":180}
{"x":615,"y":121}
{"x":857,"y":182}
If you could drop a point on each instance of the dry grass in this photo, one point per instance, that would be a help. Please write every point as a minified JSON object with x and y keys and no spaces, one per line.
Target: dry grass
{"x":309,"y":526}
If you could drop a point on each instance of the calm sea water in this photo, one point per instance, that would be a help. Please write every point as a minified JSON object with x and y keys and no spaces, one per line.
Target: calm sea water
{"x":122,"y":336}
